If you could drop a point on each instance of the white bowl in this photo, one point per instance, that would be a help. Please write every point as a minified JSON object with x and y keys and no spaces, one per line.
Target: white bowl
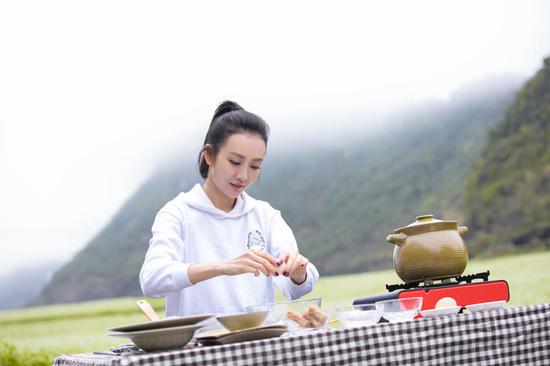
{"x":486,"y":306}
{"x":162,"y":338}
{"x":449,"y":310}
{"x":400,"y":310}
{"x":358,"y":315}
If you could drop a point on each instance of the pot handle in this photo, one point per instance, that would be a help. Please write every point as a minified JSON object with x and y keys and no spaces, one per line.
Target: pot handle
{"x":397,"y":239}
{"x":462,"y":230}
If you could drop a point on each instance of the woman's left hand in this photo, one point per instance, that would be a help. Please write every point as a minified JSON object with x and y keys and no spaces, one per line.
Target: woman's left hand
{"x":293,"y":265}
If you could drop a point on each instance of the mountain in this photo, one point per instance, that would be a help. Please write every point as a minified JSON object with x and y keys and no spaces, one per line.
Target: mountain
{"x":23,"y":284}
{"x":340,"y":201}
{"x":508,"y":193}
{"x":343,"y":203}
{"x":108,"y":266}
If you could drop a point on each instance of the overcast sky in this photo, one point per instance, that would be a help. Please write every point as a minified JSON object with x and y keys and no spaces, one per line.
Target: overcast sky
{"x":93,"y":95}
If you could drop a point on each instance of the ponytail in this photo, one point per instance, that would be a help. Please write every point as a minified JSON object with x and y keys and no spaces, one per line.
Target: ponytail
{"x":226,"y":107}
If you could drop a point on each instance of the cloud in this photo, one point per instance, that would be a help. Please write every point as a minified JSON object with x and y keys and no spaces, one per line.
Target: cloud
{"x":95,"y":95}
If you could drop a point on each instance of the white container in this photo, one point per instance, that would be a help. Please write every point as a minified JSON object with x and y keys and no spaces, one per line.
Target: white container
{"x":449,"y":310}
{"x":483,"y":306}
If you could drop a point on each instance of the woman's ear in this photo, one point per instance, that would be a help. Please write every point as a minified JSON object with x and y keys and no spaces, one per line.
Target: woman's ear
{"x":208,"y":156}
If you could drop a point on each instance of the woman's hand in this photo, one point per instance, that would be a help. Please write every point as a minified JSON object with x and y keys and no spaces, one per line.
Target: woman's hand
{"x":252,"y":261}
{"x":293,"y":265}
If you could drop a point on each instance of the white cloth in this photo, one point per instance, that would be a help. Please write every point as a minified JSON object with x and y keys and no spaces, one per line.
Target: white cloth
{"x":190,"y":229}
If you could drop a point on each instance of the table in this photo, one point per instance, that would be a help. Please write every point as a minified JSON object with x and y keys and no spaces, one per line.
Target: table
{"x":511,"y":336}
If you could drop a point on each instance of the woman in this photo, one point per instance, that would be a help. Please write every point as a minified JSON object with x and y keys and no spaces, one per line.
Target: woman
{"x":215,"y":249}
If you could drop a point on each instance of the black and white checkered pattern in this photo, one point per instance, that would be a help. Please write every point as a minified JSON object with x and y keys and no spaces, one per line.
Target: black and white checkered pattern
{"x":514,"y":336}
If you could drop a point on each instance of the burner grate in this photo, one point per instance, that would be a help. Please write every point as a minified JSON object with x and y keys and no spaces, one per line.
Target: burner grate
{"x":447,"y":281}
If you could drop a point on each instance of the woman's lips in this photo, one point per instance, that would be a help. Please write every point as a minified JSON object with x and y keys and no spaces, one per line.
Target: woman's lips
{"x":236,"y":186}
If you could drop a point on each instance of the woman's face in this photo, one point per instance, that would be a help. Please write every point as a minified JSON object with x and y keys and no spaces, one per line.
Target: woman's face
{"x":237,"y":164}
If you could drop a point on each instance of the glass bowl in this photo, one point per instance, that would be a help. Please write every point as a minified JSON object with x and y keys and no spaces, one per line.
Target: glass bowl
{"x":297,"y":315}
{"x":400,"y":310}
{"x":358,"y":315}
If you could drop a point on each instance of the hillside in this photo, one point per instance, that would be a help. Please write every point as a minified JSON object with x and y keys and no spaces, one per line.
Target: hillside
{"x":341,"y":202}
{"x":508,"y":193}
{"x":109,"y":264}
{"x":24,"y":284}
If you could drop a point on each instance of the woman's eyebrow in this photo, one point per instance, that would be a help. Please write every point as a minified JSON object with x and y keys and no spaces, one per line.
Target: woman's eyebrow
{"x":242,"y":157}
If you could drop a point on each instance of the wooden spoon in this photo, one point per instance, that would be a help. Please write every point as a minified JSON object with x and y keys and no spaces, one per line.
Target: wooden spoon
{"x":148,"y":310}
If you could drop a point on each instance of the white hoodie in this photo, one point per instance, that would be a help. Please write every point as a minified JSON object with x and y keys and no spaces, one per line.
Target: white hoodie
{"x":190,"y":229}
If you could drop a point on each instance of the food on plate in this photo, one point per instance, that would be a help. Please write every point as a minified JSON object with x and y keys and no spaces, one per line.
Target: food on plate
{"x":313,"y":317}
{"x":445,"y":302}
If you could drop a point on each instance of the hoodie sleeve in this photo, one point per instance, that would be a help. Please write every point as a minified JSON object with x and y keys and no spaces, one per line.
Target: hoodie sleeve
{"x":282,"y":239}
{"x":164,"y":270}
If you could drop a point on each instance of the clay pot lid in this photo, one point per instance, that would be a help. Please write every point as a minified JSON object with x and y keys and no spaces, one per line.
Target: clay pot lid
{"x":426,"y":223}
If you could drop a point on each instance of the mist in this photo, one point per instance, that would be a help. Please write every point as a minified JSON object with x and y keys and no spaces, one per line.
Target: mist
{"x":94,"y":97}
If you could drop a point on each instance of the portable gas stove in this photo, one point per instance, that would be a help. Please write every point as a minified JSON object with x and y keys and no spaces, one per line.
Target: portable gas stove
{"x":462,"y":289}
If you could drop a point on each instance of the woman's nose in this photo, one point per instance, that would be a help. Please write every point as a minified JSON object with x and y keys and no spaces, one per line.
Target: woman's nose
{"x":242,"y":175}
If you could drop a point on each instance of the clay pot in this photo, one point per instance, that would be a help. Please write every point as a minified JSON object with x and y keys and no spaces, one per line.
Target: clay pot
{"x":429,"y":249}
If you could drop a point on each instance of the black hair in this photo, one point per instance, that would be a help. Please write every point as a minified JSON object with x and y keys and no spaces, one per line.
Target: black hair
{"x":230,"y":118}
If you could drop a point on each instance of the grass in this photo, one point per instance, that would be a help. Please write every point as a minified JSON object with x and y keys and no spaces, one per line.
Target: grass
{"x":34,"y":336}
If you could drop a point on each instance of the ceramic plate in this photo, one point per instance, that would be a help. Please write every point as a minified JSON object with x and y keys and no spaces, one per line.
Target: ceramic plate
{"x":449,"y":310}
{"x":251,"y":334}
{"x":160,"y":339}
{"x":243,"y":321}
{"x":486,"y":306}
{"x":164,"y":323}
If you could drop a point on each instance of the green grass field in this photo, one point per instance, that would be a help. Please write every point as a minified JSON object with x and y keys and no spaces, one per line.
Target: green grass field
{"x":35,"y":335}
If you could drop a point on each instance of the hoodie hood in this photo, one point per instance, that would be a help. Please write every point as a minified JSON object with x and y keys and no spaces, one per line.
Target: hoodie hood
{"x":196,"y":198}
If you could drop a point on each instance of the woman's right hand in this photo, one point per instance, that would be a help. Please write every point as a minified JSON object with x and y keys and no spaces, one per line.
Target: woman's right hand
{"x":252,"y":261}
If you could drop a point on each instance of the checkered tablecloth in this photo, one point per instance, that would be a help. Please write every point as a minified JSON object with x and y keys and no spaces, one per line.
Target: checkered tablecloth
{"x":513,"y":336}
